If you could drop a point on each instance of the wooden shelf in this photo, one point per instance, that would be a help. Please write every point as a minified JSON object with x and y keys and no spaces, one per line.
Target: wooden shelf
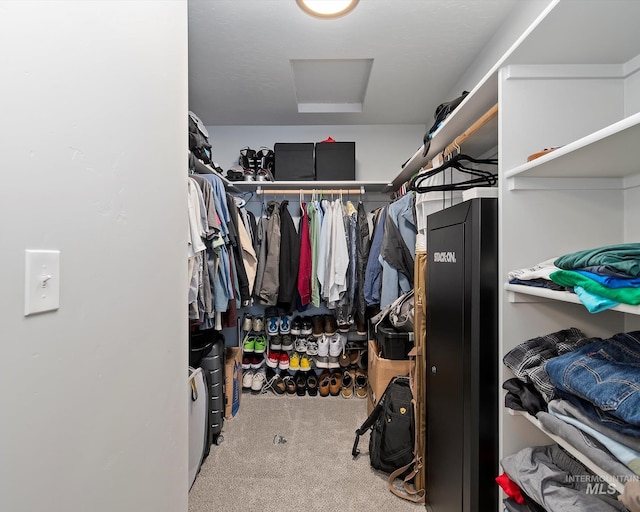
{"x":602,"y":154}
{"x":607,"y":477}
{"x":561,"y":296}
{"x":477,"y":104}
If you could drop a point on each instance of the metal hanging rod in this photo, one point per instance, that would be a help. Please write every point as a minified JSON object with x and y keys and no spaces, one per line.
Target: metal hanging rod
{"x":360,"y":190}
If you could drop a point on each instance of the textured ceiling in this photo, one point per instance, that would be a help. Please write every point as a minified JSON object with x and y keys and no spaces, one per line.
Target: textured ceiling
{"x":240,"y":50}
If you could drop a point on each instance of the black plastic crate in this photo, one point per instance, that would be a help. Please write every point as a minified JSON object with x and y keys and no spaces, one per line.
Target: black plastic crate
{"x":335,"y":161}
{"x":294,"y":161}
{"x":392,"y":343}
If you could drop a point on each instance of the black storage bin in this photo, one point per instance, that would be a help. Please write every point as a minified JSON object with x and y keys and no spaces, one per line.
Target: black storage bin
{"x":200,"y":344}
{"x":335,"y":161}
{"x":392,"y":343}
{"x":294,"y":161}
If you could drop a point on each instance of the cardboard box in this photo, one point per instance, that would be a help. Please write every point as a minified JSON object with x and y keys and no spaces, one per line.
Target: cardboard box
{"x":232,"y":381}
{"x":381,"y":371}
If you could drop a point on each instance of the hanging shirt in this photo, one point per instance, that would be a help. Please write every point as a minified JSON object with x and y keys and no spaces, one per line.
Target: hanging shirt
{"x":306,"y":263}
{"x":314,"y":236}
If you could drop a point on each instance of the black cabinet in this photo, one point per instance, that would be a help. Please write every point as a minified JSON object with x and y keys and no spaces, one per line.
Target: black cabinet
{"x":461,"y":358}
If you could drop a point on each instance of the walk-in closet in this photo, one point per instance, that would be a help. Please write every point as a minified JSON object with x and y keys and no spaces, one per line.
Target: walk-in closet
{"x":259,"y":257}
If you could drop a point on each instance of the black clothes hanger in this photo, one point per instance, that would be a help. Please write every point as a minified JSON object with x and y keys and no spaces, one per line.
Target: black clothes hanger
{"x":460,"y":162}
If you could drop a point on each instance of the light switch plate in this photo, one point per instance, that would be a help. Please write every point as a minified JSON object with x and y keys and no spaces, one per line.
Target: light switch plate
{"x":42,"y":281}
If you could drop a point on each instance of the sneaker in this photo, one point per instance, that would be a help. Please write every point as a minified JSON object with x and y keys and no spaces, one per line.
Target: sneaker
{"x":259,"y":379}
{"x":257,"y":324}
{"x":333,"y":362}
{"x":294,"y":361}
{"x":361,"y":328}
{"x":273,"y":325}
{"x":249,"y":343}
{"x":301,"y":345}
{"x":344,"y":328}
{"x":276,"y":383}
{"x":324,"y":382}
{"x":285,"y":325}
{"x":330,"y":325}
{"x":287,"y":342}
{"x":323,"y":346}
{"x":260,"y":344}
{"x":273,"y":358}
{"x":335,"y":383}
{"x":289,"y":383}
{"x":361,"y":383}
{"x":305,"y":363}
{"x":346,"y":389}
{"x":336,"y":345}
{"x":312,"y":346}
{"x":247,"y":379}
{"x":322,"y":361}
{"x":276,"y":342}
{"x":296,"y":326}
{"x":246,"y":362}
{"x":257,"y":361}
{"x":317,"y":325}
{"x":283,"y":361}
{"x":247,"y":323}
{"x":307,"y":327}
{"x":312,"y":384}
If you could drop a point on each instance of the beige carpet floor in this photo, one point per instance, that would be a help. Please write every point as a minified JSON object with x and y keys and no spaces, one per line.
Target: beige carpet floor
{"x":293,"y":453}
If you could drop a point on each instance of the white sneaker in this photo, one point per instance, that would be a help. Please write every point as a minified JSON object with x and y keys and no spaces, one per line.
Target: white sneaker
{"x":301,"y":345}
{"x":323,"y":346}
{"x":259,"y":379}
{"x":312,"y":346}
{"x":247,"y":379}
{"x":336,"y":344}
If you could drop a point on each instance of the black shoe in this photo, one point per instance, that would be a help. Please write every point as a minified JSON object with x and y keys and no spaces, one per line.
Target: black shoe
{"x":312,"y":384}
{"x":301,"y":384}
{"x":296,"y":326}
{"x":307,"y":326}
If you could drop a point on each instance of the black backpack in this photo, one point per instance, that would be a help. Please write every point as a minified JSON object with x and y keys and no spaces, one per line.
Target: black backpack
{"x":199,"y":139}
{"x":391,"y":441}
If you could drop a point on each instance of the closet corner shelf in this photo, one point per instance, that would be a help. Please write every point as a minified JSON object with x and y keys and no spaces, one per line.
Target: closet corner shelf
{"x":607,"y":477}
{"x":591,"y":156}
{"x":202,"y":168}
{"x":478,"y":102}
{"x":253,"y":186}
{"x":561,"y":296}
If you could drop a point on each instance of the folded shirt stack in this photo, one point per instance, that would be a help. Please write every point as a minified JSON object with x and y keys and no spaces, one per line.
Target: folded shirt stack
{"x":602,"y":278}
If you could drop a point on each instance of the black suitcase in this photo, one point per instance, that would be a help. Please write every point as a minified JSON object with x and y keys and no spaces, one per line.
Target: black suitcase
{"x":213,"y":368}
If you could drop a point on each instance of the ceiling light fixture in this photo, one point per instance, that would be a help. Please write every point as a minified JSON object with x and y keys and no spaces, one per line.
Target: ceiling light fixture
{"x":327,"y":9}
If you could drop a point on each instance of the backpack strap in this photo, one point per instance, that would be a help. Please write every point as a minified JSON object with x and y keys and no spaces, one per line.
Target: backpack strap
{"x":368,"y":424}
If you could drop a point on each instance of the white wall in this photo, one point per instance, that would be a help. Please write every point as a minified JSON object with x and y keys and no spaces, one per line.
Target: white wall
{"x":93,"y":163}
{"x":380,"y":149}
{"x":522,"y":16}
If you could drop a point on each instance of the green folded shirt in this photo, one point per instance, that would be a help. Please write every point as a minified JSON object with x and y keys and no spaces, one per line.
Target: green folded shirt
{"x":622,"y":257}
{"x":571,"y":278}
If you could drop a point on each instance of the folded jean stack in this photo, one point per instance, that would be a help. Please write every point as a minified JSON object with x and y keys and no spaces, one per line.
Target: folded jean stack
{"x":585,"y":391}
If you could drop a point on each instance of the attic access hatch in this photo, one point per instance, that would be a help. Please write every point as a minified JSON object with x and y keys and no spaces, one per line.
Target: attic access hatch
{"x":330,"y":85}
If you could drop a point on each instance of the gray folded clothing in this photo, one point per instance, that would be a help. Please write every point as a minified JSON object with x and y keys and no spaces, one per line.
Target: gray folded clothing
{"x":557,"y":481}
{"x":587,"y":445}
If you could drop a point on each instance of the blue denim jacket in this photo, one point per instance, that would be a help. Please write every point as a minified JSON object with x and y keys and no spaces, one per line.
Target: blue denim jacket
{"x":605,"y":373}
